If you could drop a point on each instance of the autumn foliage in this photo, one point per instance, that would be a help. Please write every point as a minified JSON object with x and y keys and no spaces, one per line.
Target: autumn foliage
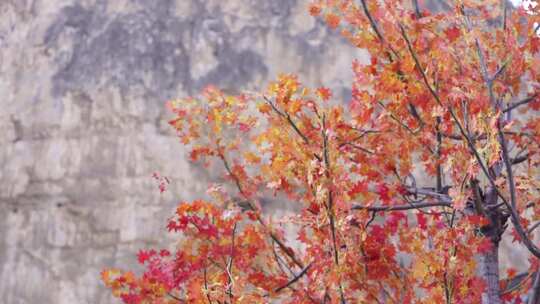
{"x":399,"y":195}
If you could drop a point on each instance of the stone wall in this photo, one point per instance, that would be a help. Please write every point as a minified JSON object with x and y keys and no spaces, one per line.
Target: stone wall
{"x":83,"y":126}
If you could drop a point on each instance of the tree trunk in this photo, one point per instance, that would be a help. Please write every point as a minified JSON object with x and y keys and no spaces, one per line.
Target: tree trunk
{"x":534,"y":293}
{"x":488,"y":269}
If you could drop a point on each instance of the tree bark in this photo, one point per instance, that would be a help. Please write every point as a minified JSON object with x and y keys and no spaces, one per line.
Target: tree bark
{"x":534,"y":294}
{"x":488,"y":269}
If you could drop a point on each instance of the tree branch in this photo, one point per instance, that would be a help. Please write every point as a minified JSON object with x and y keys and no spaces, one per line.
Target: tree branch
{"x":372,"y":21}
{"x":401,"y":207}
{"x":291,"y":123}
{"x":515,"y":283}
{"x":416,"y":9}
{"x":519,"y":159}
{"x":274,"y":237}
{"x":512,"y":206}
{"x":442,"y":197}
{"x":536,"y":225}
{"x":175,"y":297}
{"x":373,"y":25}
{"x":519,"y":103}
{"x":288,"y":118}
{"x":230,"y":264}
{"x":206,"y":286}
{"x":513,"y":213}
{"x":295,"y":279}
{"x":330,"y":207}
{"x":534,"y":297}
{"x":356,"y":147}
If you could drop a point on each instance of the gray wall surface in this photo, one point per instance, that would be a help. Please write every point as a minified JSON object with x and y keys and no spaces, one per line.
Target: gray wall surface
{"x":83,"y":124}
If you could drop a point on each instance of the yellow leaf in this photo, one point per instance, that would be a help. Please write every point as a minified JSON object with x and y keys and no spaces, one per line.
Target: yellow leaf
{"x":252,"y":157}
{"x":420,"y":270}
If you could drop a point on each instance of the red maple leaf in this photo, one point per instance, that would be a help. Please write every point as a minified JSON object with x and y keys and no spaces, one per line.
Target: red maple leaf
{"x":384,"y":192}
{"x":143,"y":256}
{"x":452,"y":33}
{"x":421,"y":220}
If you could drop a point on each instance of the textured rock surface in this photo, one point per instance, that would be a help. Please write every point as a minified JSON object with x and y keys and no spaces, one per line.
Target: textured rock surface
{"x":82,"y":122}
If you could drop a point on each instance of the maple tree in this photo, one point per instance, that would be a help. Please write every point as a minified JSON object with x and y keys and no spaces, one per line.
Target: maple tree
{"x":401,"y":194}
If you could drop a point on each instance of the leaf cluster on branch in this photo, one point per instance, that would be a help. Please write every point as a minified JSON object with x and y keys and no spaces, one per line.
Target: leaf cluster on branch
{"x":397,"y":190}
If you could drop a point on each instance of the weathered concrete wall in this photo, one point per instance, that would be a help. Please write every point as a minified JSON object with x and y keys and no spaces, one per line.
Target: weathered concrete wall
{"x":82,"y":122}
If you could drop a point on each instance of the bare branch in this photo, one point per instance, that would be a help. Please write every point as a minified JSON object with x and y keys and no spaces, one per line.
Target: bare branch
{"x":280,"y":262}
{"x":516,"y":282}
{"x":175,"y":298}
{"x":519,"y":103}
{"x":513,"y":199}
{"x":519,"y":159}
{"x":500,"y":70}
{"x":536,"y":225}
{"x":445,"y":198}
{"x":373,"y":215}
{"x":357,"y":147}
{"x":452,"y":136}
{"x":295,"y":279}
{"x":416,"y":9}
{"x":401,"y":207}
{"x":362,"y":134}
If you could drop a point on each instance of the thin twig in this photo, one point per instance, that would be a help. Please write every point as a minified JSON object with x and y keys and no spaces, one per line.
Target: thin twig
{"x":401,"y":207}
{"x":288,"y":117}
{"x":373,"y":216}
{"x":230,"y":264}
{"x":274,"y":237}
{"x":519,"y":103}
{"x":413,"y":132}
{"x":416,"y":9}
{"x":330,"y":207}
{"x":442,"y":197}
{"x":519,"y":159}
{"x":505,"y":9}
{"x":374,"y":27}
{"x":357,"y":147}
{"x":500,"y":70}
{"x":536,"y":225}
{"x":372,"y":21}
{"x":438,"y":153}
{"x":206,"y":286}
{"x":513,"y":285}
{"x":175,"y":297}
{"x":295,"y":279}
